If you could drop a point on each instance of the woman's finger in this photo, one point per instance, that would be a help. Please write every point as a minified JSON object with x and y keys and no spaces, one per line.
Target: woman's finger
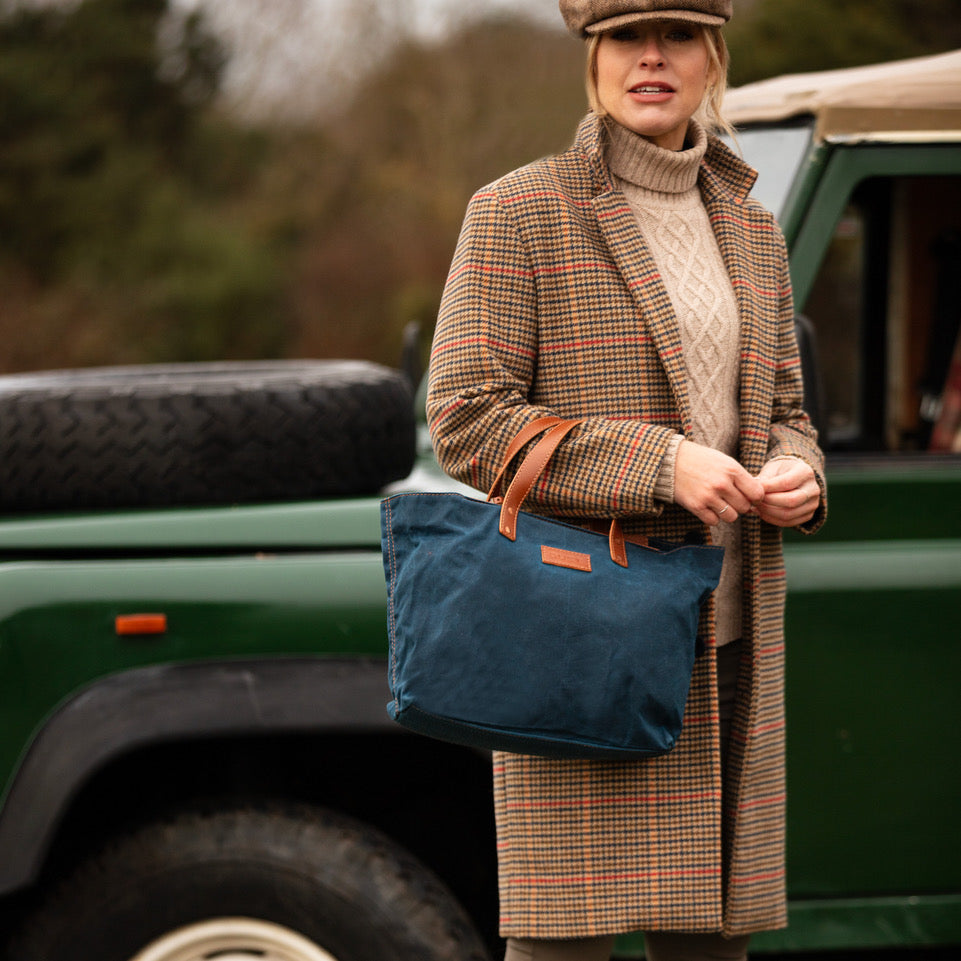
{"x":729,"y":514}
{"x":713,"y":486}
{"x":791,"y":508}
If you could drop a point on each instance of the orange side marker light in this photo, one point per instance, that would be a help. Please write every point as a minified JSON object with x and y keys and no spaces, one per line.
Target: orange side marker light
{"x":127,"y":625}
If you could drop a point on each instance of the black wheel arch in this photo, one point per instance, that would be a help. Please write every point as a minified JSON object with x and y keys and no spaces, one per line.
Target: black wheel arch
{"x":312,"y":729}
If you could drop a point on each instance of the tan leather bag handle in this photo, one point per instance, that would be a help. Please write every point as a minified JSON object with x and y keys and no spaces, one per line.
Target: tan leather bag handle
{"x":531,"y":469}
{"x":525,"y":434}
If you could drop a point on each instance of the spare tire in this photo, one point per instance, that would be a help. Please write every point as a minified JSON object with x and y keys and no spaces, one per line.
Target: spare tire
{"x":202,"y":434}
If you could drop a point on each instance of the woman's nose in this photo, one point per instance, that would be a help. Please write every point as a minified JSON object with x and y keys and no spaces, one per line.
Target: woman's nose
{"x":650,"y":55}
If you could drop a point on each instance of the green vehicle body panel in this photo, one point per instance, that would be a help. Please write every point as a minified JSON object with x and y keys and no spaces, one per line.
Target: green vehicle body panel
{"x":335,"y":524}
{"x":874,"y":846}
{"x":873,"y":738}
{"x":57,"y":620}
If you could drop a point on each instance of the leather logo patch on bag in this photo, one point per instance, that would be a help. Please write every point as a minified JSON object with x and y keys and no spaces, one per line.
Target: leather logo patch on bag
{"x":560,"y":558}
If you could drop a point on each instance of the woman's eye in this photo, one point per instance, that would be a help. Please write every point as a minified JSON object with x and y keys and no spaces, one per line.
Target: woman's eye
{"x":676,"y":33}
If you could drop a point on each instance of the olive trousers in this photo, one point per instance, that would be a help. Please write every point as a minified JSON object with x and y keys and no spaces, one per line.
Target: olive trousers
{"x":660,"y":945}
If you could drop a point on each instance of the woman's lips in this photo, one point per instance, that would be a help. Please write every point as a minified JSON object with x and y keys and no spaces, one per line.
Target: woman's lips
{"x":652,"y":88}
{"x":652,"y":92}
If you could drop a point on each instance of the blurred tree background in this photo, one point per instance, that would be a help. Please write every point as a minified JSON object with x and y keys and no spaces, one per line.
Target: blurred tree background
{"x":159,"y":203}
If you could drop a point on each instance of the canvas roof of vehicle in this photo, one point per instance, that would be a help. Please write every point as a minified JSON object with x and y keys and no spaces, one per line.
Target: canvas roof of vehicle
{"x":916,"y":99}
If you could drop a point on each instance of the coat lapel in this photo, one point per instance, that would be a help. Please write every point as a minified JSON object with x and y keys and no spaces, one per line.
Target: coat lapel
{"x":633,"y":258}
{"x":739,"y":234}
{"x":639,"y":270}
{"x":742,"y":238}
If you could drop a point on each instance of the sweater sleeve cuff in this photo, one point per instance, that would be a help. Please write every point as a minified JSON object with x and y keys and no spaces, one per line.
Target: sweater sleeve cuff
{"x":664,"y":485}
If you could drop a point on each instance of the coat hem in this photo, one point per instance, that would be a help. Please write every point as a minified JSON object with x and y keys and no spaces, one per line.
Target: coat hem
{"x":636,"y":927}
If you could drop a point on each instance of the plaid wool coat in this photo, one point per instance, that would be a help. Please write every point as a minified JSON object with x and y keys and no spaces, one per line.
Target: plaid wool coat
{"x":554,"y":305}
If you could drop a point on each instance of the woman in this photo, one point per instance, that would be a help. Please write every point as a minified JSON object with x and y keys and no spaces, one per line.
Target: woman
{"x":632,"y":282}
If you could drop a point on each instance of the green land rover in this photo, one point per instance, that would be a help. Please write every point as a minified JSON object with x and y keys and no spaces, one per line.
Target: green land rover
{"x":195,"y":756}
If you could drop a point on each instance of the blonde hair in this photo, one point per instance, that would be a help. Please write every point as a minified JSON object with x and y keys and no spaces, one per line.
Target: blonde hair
{"x":709,"y":114}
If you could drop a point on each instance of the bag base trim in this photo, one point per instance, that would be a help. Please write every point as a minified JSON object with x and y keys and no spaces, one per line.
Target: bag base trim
{"x":470,"y":734}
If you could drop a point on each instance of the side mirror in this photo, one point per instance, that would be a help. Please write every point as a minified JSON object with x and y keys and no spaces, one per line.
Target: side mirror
{"x":410,"y":362}
{"x":810,"y":371}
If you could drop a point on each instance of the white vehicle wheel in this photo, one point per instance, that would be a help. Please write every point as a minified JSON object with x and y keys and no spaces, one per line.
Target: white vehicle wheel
{"x":233,"y":939}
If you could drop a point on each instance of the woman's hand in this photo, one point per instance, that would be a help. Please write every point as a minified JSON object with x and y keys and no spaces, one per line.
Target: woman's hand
{"x":713,"y":486}
{"x":791,"y":492}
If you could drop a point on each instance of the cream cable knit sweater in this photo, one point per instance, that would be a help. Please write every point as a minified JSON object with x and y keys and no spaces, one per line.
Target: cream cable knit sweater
{"x":661,"y":188}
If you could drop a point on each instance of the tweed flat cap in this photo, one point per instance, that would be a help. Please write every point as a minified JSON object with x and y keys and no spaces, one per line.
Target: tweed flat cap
{"x":584,"y":17}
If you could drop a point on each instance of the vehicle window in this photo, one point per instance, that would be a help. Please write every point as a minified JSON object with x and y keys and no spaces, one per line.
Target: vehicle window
{"x":776,"y":153}
{"x":886,"y":306}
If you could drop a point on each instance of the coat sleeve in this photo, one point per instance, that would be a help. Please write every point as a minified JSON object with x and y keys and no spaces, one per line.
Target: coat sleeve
{"x":483,"y":367}
{"x":792,"y":433}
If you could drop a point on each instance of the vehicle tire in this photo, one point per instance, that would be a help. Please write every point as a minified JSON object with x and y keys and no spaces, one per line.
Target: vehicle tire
{"x":285,"y":884}
{"x":202,"y":434}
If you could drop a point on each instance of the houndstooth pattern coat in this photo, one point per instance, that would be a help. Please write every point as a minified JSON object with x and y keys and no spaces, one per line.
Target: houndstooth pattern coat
{"x":554,"y":305}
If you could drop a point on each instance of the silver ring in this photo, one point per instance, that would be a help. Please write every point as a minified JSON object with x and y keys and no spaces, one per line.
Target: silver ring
{"x":721,"y":511}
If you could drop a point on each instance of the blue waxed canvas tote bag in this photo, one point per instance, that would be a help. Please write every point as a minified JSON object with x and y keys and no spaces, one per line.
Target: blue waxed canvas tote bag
{"x":518,"y":632}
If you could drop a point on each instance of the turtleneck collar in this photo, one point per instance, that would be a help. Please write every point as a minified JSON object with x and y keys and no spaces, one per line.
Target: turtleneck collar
{"x":638,"y":161}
